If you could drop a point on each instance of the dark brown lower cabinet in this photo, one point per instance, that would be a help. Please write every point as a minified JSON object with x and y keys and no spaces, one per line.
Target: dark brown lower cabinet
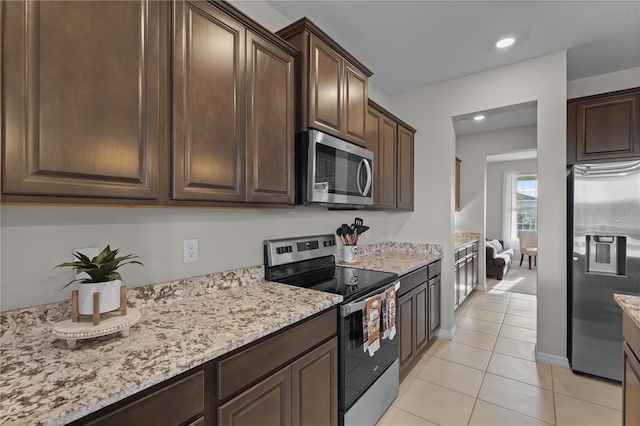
{"x":164,"y":405}
{"x":267,"y":403}
{"x":315,"y":387}
{"x":630,"y":372}
{"x":421,"y":297}
{"x":466,"y":272}
{"x":413,"y":315}
{"x":406,"y":329}
{"x":418,"y":311}
{"x":303,"y":393}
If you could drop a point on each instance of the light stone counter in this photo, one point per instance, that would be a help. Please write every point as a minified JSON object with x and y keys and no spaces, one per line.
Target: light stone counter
{"x":631,"y":305}
{"x":396,"y":257}
{"x":463,"y":238}
{"x":184,"y":324}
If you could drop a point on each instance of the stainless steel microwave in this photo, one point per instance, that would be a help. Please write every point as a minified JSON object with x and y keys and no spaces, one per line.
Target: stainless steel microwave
{"x":332,"y":172}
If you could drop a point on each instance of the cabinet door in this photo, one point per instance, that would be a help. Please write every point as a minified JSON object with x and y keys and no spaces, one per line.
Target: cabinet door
{"x":209,"y":106}
{"x":608,"y":128}
{"x":325,"y":88}
{"x":630,"y":388}
{"x":466,"y":276}
{"x":356,"y":96}
{"x":374,"y":122}
{"x":270,"y":121}
{"x":267,"y":403}
{"x":434,"y":305}
{"x":474,"y":269}
{"x":405,"y":169}
{"x":81,"y":100}
{"x":457,"y":194}
{"x":406,"y":328}
{"x":167,"y":405}
{"x":421,"y":296}
{"x":459,"y":296}
{"x":315,"y":387}
{"x":387,"y":163}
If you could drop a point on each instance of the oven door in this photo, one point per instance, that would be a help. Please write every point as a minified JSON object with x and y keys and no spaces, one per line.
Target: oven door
{"x":339,"y":172}
{"x":358,"y":370}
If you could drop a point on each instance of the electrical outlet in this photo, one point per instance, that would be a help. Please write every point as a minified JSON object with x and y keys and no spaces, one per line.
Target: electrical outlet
{"x":191,"y":250}
{"x":90,"y":252}
{"x":367,"y":234}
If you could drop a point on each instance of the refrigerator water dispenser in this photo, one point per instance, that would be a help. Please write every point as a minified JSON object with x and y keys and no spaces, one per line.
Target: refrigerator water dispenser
{"x":607,"y":255}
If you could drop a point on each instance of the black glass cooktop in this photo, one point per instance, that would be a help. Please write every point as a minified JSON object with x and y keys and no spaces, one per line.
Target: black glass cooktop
{"x":350,"y":283}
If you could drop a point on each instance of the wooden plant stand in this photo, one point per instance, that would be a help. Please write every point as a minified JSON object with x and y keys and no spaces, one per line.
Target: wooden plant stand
{"x":81,"y":327}
{"x":75,"y":314}
{"x":112,"y":322}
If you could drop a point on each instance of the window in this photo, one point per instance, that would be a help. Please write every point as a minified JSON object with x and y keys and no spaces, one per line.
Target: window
{"x":527,"y":202}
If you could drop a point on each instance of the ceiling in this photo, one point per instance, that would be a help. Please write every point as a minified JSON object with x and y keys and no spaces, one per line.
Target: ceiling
{"x":412,"y":44}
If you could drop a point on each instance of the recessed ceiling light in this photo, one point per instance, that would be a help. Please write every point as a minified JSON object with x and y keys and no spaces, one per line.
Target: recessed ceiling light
{"x":478,"y":117}
{"x":505,"y":42}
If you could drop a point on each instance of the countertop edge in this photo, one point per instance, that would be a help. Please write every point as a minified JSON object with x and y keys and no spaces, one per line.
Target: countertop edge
{"x":630,"y":305}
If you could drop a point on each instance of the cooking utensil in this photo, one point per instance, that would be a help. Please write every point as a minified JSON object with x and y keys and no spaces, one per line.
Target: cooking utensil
{"x":348,"y":234}
{"x":362,"y":229}
{"x":357,"y":221}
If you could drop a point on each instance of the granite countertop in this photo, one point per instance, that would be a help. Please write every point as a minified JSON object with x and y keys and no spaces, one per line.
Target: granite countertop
{"x":631,"y":305}
{"x":398,"y":257}
{"x":184,"y":324}
{"x":463,"y":238}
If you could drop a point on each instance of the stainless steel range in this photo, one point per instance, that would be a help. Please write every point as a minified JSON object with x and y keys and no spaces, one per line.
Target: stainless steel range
{"x":368,"y":380}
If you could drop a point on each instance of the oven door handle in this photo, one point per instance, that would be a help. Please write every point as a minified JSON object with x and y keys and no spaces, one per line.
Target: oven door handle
{"x":346,"y":310}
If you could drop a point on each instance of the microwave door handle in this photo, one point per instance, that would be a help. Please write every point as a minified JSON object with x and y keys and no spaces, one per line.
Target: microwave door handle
{"x":358,"y":176}
{"x":369,"y":177}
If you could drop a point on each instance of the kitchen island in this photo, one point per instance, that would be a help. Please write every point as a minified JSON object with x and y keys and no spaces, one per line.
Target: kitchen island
{"x":184,"y":324}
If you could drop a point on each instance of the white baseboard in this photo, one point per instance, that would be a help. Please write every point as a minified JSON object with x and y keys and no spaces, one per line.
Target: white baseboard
{"x":558,"y":361}
{"x":446,"y":334}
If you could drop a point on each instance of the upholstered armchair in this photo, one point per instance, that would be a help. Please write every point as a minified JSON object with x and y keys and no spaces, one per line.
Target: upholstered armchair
{"x":528,"y":246}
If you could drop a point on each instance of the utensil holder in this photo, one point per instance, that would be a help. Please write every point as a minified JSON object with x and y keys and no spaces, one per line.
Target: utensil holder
{"x":349,"y":254}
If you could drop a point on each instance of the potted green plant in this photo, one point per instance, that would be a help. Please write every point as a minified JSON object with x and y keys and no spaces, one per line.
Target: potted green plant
{"x":103,"y":279}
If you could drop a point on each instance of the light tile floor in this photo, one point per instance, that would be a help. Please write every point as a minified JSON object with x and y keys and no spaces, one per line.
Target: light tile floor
{"x":487,"y":375}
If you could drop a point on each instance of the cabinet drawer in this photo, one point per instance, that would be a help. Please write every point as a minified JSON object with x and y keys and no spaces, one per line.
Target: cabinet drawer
{"x":631,"y":334}
{"x":171,"y":405}
{"x":249,"y":365}
{"x":412,"y":280}
{"x":434,"y":269}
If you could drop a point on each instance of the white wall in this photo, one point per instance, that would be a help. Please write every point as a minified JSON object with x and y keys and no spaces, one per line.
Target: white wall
{"x":473,"y":150}
{"x":604,"y":83}
{"x":474,"y":201}
{"x":430,"y":110}
{"x":495,"y":198}
{"x":36,"y":238}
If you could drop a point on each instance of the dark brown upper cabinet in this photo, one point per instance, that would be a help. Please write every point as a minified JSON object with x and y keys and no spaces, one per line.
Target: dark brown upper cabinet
{"x":332,"y":85}
{"x":270,"y":122}
{"x":405,"y":168}
{"x":208,"y":121}
{"x":233,"y":122}
{"x":604,"y":127}
{"x":392,"y":142}
{"x":81,"y":99}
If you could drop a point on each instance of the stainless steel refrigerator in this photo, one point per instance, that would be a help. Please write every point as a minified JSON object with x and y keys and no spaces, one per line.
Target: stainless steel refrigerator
{"x":604,"y":244}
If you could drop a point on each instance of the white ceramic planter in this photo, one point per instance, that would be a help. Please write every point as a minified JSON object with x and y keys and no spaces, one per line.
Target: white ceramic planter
{"x":109,"y":296}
